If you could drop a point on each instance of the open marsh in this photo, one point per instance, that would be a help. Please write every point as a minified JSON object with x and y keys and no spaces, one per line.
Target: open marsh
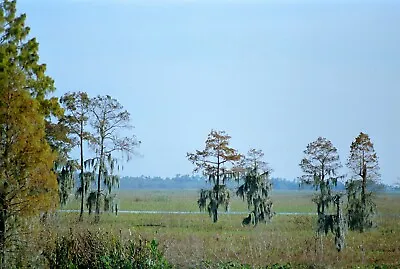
{"x":189,"y":240}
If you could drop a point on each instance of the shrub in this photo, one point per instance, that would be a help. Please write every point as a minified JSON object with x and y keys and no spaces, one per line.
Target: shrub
{"x":87,"y":249}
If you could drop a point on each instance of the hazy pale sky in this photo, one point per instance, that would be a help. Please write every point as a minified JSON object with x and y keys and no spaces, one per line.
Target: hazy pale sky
{"x":274,"y":74}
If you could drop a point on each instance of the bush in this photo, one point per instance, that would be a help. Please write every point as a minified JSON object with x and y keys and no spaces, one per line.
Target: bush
{"x":87,"y":249}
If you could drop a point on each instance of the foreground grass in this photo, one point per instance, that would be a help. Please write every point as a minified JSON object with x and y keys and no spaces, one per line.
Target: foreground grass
{"x":192,"y":240}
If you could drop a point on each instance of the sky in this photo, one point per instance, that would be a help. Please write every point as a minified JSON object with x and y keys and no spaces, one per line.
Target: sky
{"x":275,"y":75}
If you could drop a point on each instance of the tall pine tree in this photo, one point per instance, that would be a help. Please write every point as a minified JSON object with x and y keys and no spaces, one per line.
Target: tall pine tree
{"x":27,"y":182}
{"x":77,"y":106}
{"x":109,"y":118}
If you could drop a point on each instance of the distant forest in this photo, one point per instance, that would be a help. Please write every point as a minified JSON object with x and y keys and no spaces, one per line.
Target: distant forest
{"x":198,"y":182}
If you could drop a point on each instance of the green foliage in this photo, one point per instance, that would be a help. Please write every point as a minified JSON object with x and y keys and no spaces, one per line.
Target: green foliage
{"x":218,"y":162}
{"x":236,"y":265}
{"x":225,"y":265}
{"x":23,"y":53}
{"x":98,"y":249}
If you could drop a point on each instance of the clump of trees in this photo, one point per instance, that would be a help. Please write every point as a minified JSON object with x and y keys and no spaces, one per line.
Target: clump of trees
{"x":219,"y":163}
{"x":98,"y":121}
{"x":321,"y":167}
{"x":38,"y":132}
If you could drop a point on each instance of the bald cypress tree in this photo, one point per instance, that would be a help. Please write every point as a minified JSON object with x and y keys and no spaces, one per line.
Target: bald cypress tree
{"x":320,"y":167}
{"x":364,"y":168}
{"x":256,"y":187}
{"x":216,"y":162}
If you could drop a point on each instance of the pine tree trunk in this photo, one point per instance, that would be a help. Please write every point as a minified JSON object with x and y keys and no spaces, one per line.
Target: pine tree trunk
{"x":3,"y":219}
{"x":82,"y":179}
{"x":97,"y":217}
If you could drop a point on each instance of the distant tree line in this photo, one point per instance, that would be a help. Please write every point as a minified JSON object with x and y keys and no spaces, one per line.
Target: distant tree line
{"x":187,"y":182}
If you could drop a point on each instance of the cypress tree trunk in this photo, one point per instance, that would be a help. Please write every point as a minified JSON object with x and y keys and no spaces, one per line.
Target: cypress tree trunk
{"x":363,"y":198}
{"x":215,"y":208}
{"x":215,"y":215}
{"x":218,"y":179}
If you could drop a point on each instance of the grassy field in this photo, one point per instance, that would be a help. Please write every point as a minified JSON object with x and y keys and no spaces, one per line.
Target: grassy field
{"x":186,"y":200}
{"x":191,"y":240}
